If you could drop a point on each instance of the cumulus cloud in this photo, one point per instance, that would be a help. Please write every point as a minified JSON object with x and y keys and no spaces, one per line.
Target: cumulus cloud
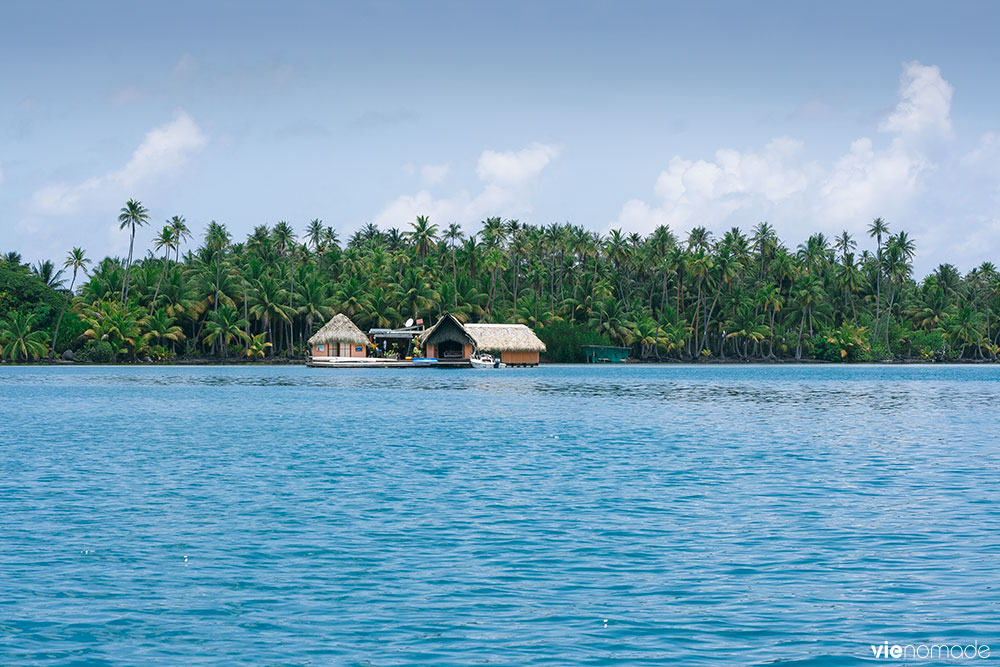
{"x":163,"y":151}
{"x":699,"y":192}
{"x":924,"y":108}
{"x":865,"y":179}
{"x":901,"y":175}
{"x":506,"y":176}
{"x":515,"y":167}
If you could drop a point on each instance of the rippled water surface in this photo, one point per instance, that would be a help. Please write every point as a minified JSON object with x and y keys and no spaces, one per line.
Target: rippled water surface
{"x":558,"y":515}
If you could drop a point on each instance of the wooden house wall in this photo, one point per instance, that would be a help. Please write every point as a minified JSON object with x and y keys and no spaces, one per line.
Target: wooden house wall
{"x":519,"y":357}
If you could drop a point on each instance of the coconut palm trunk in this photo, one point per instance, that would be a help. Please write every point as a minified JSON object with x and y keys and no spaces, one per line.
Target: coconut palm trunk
{"x":128,"y":265}
{"x":69,"y":296}
{"x":156,"y":293}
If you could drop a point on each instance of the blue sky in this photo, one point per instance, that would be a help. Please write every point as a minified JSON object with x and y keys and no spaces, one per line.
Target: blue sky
{"x":606,"y":114}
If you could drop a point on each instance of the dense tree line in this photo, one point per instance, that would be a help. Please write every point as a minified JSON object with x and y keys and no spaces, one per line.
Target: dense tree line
{"x":739,"y":295}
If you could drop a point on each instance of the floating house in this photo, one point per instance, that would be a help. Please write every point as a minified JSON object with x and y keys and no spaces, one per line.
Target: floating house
{"x":597,"y":354}
{"x":339,"y":337}
{"x":450,"y":340}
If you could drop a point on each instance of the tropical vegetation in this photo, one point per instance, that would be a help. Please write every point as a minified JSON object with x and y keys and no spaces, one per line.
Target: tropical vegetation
{"x":742,"y":295}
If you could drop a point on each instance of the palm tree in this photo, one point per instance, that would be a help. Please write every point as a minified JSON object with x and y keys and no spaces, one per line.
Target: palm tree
{"x":316,"y":302}
{"x":268,"y":305}
{"x":844,"y":243}
{"x":876,"y":229}
{"x":257,"y":346}
{"x":330,"y":238}
{"x":284,"y":237}
{"x":850,"y":281}
{"x":493,"y":261}
{"x":808,"y":293}
{"x":351,"y":297}
{"x":454,"y":234}
{"x":932,"y":307}
{"x":165,"y":241}
{"x":647,"y":335}
{"x":704,"y":296}
{"x":225,"y":325}
{"x":132,"y":215}
{"x":771,"y":300}
{"x":415,"y":294}
{"x":47,"y":272}
{"x":698,"y":267}
{"x":178,"y":226}
{"x":699,"y":238}
{"x":610,"y":319}
{"x":749,"y":326}
{"x":160,"y":327}
{"x":18,"y":338}
{"x":423,"y":235}
{"x":965,"y":329}
{"x":76,"y":260}
{"x":115,"y":323}
{"x":217,"y":240}
{"x":316,"y":233}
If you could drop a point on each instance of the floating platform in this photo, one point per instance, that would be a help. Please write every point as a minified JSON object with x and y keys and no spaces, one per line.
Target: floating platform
{"x":372,"y":362}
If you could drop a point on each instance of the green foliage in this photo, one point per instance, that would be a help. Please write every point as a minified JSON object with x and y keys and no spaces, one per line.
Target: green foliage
{"x":922,"y":344}
{"x":19,"y":339}
{"x":25,"y":292}
{"x":847,"y":343}
{"x":564,"y":341}
{"x":877,"y":351}
{"x":732,"y":296}
{"x":97,"y":352}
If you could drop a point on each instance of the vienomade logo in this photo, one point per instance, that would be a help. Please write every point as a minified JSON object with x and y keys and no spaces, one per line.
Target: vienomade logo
{"x":888,"y":651}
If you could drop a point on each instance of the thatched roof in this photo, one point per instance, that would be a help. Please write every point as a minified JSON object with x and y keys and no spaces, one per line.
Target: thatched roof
{"x":447,"y":329}
{"x":340,"y":329}
{"x":504,"y":338}
{"x":485,"y":337}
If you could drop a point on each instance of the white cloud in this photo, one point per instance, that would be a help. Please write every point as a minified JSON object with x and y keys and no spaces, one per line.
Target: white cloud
{"x":507,"y":178}
{"x":866,"y":179}
{"x":163,"y":151}
{"x":908,"y":177}
{"x":700,"y":192}
{"x":924,"y":108}
{"x":770,"y":174}
{"x":515,"y":167}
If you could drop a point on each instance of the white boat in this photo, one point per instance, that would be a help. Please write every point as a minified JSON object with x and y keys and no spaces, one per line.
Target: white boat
{"x":481,"y":360}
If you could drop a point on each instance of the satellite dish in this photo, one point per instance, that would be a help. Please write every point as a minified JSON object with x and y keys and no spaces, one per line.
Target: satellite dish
{"x":409,"y":322}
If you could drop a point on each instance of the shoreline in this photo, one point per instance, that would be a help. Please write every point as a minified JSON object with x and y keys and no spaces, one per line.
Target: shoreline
{"x":665,"y":362}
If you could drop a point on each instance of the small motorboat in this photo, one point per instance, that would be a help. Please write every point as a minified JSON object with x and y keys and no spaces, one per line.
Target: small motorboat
{"x":480,"y":360}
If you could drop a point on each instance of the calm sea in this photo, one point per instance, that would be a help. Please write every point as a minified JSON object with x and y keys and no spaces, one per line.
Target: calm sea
{"x":557,"y":516}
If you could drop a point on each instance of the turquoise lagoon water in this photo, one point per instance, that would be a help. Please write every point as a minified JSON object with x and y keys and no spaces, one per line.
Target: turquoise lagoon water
{"x":558,"y":515}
